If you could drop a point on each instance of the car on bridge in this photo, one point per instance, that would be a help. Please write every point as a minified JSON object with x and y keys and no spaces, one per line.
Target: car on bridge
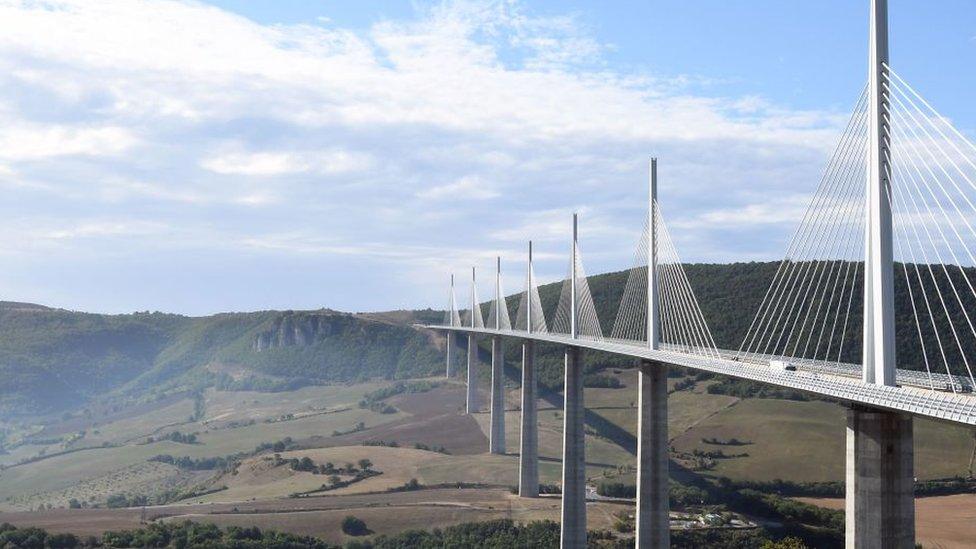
{"x":782,"y":365}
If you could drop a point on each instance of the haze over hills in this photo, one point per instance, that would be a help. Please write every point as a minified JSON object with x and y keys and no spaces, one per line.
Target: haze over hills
{"x":54,"y":359}
{"x":237,"y":418}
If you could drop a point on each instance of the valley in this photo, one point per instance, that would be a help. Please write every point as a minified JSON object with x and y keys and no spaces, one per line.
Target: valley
{"x":428,"y":465}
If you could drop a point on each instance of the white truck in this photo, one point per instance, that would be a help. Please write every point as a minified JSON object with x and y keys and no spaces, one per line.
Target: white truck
{"x":782,"y":365}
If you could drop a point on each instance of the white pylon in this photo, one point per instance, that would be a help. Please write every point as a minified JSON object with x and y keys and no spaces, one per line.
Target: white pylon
{"x":653,"y":326}
{"x":879,"y":311}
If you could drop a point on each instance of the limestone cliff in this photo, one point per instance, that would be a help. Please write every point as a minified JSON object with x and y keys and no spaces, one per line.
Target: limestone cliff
{"x":297,"y":329}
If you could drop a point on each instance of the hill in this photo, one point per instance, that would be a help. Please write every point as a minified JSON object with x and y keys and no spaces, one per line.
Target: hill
{"x":53,"y":359}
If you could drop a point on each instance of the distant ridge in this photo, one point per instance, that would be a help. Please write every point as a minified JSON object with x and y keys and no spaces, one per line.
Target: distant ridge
{"x":21,"y":306}
{"x":52,"y":359}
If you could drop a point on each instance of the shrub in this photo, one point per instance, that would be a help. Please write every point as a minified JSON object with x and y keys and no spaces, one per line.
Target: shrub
{"x":354,"y":526}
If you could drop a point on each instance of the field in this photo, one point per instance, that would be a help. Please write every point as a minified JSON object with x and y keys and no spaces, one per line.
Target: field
{"x":316,"y":412}
{"x":437,"y":446}
{"x":383,"y":513}
{"x":804,"y":442}
{"x":943,"y":522}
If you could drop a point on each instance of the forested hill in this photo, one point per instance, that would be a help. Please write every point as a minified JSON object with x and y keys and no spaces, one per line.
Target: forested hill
{"x":730,"y":295}
{"x":52,"y":358}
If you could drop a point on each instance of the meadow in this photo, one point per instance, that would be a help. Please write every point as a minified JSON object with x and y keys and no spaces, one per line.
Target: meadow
{"x":425,"y":440}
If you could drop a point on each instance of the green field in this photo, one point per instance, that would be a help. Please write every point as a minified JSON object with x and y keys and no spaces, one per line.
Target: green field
{"x":805,"y":442}
{"x":47,"y":480}
{"x":790,"y":440}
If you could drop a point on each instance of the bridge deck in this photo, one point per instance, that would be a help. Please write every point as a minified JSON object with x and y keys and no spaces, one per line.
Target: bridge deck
{"x":841,"y":381}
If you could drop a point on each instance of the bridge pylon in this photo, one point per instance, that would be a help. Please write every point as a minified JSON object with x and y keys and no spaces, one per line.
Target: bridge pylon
{"x":473,"y":405}
{"x":880,"y":504}
{"x":652,"y":524}
{"x":496,"y":440}
{"x":529,"y":437}
{"x":573,"y":526}
{"x":452,"y":320}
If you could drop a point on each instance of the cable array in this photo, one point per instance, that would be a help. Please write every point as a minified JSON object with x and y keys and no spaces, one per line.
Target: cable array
{"x":810,"y":306}
{"x":499,"y":304}
{"x":477,"y":320}
{"x":933,"y":169}
{"x":588,"y":322}
{"x":530,"y":298}
{"x":630,"y":324}
{"x":451,"y":315}
{"x":682,"y":324}
{"x":812,"y":311}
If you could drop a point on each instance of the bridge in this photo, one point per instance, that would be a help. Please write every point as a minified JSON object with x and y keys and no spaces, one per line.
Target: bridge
{"x":895,"y":208}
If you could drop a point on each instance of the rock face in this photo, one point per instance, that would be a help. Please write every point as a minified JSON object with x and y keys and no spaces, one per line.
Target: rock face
{"x":295,"y":329}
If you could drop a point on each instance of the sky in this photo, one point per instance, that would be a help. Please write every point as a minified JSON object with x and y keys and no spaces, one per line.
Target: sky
{"x":241,"y":155}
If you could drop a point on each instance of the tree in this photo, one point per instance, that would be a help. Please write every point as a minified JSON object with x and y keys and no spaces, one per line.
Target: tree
{"x":785,"y":543}
{"x":116,"y":501}
{"x":62,"y":541}
{"x":365,"y":464}
{"x":354,"y":526}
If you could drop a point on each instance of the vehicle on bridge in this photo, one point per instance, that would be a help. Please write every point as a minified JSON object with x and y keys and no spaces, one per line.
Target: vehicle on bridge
{"x":782,"y":365}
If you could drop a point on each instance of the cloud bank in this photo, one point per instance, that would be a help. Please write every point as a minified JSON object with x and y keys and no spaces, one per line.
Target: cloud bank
{"x":175,"y":155}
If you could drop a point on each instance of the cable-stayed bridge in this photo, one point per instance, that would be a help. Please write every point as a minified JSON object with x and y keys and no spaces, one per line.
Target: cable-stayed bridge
{"x":894,"y":214}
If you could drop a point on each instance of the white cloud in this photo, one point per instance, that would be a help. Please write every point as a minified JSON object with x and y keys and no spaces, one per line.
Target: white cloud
{"x":256,"y":199}
{"x":44,"y":234}
{"x":35,"y":142}
{"x":468,"y":187}
{"x":187,"y":60}
{"x":788,"y":210}
{"x":284,"y":163}
{"x":255,"y":164}
{"x":96,"y":229}
{"x":184,"y":115}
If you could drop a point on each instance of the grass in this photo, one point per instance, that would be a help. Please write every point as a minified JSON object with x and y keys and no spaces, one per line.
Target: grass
{"x":798,"y":441}
{"x":417,"y":510}
{"x":141,"y":426}
{"x":615,"y":406}
{"x":805,"y":442}
{"x":226,"y":406}
{"x":146,"y":478}
{"x":941,"y":521}
{"x":52,"y":476}
{"x":257,"y":478}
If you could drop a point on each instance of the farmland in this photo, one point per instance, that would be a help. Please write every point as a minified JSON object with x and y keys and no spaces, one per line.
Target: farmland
{"x":421,"y":438}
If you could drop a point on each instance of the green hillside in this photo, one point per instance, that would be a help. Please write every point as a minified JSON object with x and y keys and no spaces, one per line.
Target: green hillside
{"x":53,"y":359}
{"x":730,"y":295}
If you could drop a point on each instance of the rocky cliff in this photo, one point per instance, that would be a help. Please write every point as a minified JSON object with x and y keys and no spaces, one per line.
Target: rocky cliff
{"x":301,"y":329}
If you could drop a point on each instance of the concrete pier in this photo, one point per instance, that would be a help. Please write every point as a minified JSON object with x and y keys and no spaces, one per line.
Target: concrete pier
{"x":451,"y":349}
{"x":880,"y":480}
{"x":652,"y":527}
{"x":496,"y":442}
{"x":473,"y":405}
{"x":573,"y":528}
{"x":529,"y":441}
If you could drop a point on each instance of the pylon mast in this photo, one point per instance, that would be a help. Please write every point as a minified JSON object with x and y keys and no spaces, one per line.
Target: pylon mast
{"x":879,"y":312}
{"x":653,"y":326}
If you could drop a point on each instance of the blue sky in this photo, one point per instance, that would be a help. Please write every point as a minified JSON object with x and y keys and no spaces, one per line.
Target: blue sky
{"x":242,"y":155}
